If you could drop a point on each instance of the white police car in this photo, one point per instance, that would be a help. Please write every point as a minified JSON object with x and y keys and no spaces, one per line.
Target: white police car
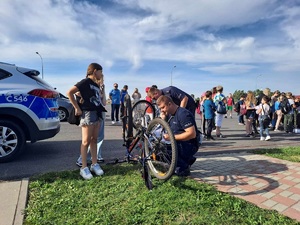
{"x":28,"y":110}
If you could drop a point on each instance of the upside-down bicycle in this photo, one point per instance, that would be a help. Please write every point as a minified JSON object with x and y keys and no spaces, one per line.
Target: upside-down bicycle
{"x":140,"y":127}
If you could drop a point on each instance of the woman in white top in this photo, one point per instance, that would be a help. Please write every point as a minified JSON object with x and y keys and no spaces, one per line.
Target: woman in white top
{"x":263,"y":111}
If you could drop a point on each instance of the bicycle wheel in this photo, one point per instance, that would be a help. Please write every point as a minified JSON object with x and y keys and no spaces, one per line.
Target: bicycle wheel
{"x":147,"y":176}
{"x":127,"y":119}
{"x":142,"y":112}
{"x":162,"y":154}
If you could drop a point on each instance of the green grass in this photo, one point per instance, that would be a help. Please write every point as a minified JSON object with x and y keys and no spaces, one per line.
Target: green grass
{"x":120,"y":197}
{"x":288,"y":153}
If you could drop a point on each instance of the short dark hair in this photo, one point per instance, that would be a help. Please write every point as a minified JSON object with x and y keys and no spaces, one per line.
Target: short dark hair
{"x":208,"y":93}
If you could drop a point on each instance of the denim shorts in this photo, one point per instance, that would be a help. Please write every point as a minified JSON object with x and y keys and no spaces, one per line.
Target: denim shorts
{"x":89,"y":118}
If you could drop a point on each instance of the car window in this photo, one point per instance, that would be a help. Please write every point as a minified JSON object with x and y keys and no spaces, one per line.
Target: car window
{"x":4,"y":74}
{"x":33,"y":74}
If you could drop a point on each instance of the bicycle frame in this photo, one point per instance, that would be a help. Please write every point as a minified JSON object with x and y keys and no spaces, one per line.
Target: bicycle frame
{"x":154,"y":155}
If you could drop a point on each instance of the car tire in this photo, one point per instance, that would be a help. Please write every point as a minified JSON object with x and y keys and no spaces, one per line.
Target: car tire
{"x":12,"y":140}
{"x":63,"y":114}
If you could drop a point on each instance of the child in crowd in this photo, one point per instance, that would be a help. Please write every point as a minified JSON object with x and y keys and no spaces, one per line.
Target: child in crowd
{"x":209,"y":109}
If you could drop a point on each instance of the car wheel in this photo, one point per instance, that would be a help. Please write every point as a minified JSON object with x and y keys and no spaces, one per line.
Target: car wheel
{"x":12,"y":140}
{"x":63,"y":114}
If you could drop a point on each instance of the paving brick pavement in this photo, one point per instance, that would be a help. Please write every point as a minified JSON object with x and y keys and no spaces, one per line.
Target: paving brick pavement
{"x":264,"y":181}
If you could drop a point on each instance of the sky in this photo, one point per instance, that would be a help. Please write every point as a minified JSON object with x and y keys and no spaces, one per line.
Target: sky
{"x":192,"y":44}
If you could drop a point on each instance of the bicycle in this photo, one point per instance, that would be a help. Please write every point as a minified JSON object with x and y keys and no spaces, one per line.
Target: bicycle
{"x":156,"y":155}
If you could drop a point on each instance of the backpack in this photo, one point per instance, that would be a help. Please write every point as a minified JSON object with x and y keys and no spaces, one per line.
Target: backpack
{"x":237,"y":107}
{"x":285,"y":106}
{"x":243,"y":109}
{"x":221,"y":108}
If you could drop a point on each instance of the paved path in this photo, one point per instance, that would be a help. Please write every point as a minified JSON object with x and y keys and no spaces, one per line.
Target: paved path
{"x":267,"y":182}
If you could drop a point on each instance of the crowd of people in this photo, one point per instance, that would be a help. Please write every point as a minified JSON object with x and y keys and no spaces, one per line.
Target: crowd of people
{"x":265,"y":112}
{"x":179,"y":109}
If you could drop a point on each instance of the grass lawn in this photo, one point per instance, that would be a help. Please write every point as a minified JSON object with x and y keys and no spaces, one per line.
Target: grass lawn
{"x":288,"y":153}
{"x":120,"y":197}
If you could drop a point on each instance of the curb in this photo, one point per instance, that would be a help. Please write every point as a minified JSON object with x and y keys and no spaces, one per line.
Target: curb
{"x":22,"y":202}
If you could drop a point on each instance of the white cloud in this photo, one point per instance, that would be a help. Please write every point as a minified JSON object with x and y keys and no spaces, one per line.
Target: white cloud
{"x":128,"y":36}
{"x":229,"y":69}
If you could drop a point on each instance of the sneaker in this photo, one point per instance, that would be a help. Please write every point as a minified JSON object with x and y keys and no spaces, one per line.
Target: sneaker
{"x":209,"y":138}
{"x":225,"y":116}
{"x":86,"y":173}
{"x":241,"y":124}
{"x":79,"y":163}
{"x":268,"y":138}
{"x":113,"y":122}
{"x":118,"y":122}
{"x":100,"y":159}
{"x":262,"y":138}
{"x":97,"y":169}
{"x":220,"y":136}
{"x":247,"y":135}
{"x":276,"y":130}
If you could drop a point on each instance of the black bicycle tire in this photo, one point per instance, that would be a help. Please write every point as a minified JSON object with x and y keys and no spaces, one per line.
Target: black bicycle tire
{"x":136,"y":106}
{"x":127,"y":119}
{"x":147,"y":176}
{"x":162,"y":175}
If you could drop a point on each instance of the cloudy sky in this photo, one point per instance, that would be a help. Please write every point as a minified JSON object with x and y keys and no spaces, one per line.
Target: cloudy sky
{"x":193,"y":44}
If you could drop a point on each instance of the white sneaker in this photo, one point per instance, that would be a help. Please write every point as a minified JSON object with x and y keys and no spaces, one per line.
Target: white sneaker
{"x":97,"y":169}
{"x":268,"y":138}
{"x":86,"y":173}
{"x":113,"y":122}
{"x":118,"y":122}
{"x":262,"y":138}
{"x":276,"y":130}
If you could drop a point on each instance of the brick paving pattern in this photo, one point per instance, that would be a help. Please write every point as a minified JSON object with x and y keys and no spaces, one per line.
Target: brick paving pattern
{"x":267,"y":182}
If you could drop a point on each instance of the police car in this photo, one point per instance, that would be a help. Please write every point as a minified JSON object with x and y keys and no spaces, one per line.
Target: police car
{"x":28,"y":110}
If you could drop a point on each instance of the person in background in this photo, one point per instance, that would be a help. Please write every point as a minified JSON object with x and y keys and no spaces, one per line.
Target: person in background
{"x":263,"y":110}
{"x":115,"y":96}
{"x":203,"y":121}
{"x":209,"y":109}
{"x":91,"y":113}
{"x":289,"y":117}
{"x":136,"y":95}
{"x":274,"y":99}
{"x":241,"y":116}
{"x":100,"y":138}
{"x":124,"y":92}
{"x":278,"y":112}
{"x":178,"y":96}
{"x":184,"y":128}
{"x":230,"y":104}
{"x":219,"y":117}
{"x":250,"y":103}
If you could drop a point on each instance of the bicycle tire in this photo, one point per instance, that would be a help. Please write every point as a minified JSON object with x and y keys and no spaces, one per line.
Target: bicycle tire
{"x":142,"y":113}
{"x":162,"y":157}
{"x":127,"y":128}
{"x":147,"y":176}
